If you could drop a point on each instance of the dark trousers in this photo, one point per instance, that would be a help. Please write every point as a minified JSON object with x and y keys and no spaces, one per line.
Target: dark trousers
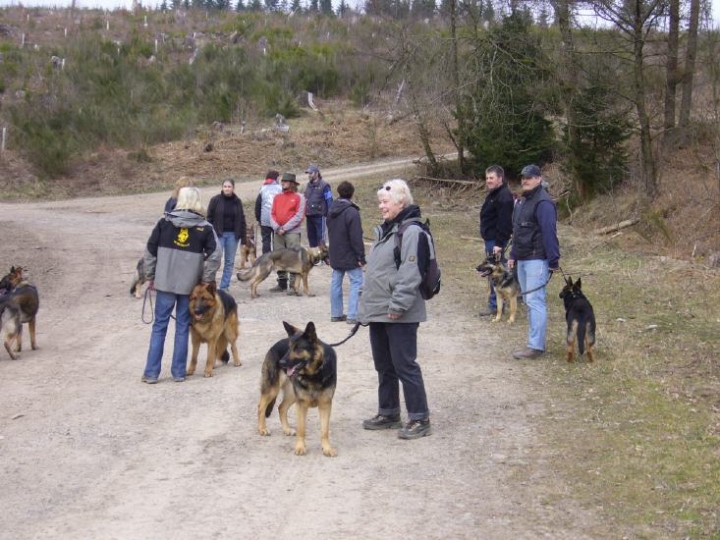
{"x":267,"y":235}
{"x":315,"y":230}
{"x":394,"y":350}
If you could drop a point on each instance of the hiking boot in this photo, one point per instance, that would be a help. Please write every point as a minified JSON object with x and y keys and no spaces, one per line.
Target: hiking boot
{"x":415,"y":429}
{"x":528,"y":354}
{"x":341,"y":318}
{"x":380,"y":421}
{"x":487,"y":312}
{"x":278,"y":288}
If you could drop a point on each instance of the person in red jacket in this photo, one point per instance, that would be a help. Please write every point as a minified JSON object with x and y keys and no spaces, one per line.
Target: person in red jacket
{"x":286,"y":217}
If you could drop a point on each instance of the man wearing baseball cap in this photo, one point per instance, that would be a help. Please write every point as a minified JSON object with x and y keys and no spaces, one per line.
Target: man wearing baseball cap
{"x":286,"y":216}
{"x":263,"y":207}
{"x":319,"y":199}
{"x":536,"y":249}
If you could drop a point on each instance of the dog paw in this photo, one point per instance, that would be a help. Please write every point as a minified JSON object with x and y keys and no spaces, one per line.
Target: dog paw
{"x":510,"y":321}
{"x":265,"y":432}
{"x":208,"y":374}
{"x":496,"y":319}
{"x":289,"y":432}
{"x":237,"y":363}
{"x":329,"y":451}
{"x":300,"y":449}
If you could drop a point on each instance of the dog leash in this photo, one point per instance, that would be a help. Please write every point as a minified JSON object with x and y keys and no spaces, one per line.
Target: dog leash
{"x":523,"y":293}
{"x":148,"y":298}
{"x":352,"y":333}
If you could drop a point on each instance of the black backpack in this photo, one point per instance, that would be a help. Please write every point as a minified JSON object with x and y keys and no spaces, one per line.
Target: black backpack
{"x":426,"y":258}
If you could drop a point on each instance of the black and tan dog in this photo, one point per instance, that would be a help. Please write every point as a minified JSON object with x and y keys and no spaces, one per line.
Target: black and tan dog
{"x":213,"y":320}
{"x":580,"y":319}
{"x":20,"y":299}
{"x":248,"y":250}
{"x":298,"y":261}
{"x":507,"y":288}
{"x":138,"y":279}
{"x":305,"y":369}
{"x":10,"y":326}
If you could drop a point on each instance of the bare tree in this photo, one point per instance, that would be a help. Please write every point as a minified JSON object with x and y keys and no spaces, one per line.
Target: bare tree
{"x":672,"y":75}
{"x":635,"y":19}
{"x":689,"y":71}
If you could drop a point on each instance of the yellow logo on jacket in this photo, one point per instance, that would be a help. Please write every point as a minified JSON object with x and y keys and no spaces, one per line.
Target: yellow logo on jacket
{"x":183,"y":237}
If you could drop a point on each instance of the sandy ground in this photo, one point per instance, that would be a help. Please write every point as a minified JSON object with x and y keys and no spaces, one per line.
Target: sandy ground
{"x":89,"y":452}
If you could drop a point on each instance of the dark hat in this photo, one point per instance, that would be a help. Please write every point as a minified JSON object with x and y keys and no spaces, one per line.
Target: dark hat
{"x":272,"y":173}
{"x":313,"y":169}
{"x":530,"y":171}
{"x":288,"y":177}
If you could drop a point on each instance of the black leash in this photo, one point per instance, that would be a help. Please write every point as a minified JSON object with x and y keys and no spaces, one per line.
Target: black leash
{"x":352,"y":333}
{"x":523,"y":293}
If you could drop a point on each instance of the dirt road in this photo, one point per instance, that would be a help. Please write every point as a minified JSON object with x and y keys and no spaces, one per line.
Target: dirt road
{"x":89,"y":452}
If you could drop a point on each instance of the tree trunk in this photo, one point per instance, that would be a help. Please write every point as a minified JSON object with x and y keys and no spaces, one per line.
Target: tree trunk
{"x":649,"y":168}
{"x":460,"y":144}
{"x":689,"y":71}
{"x":671,"y":68}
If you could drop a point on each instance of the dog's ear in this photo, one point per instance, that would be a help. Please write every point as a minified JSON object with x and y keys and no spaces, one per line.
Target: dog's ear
{"x":212,"y":287}
{"x":290,"y":329}
{"x":578,"y":284}
{"x":310,"y":333}
{"x":568,"y":281}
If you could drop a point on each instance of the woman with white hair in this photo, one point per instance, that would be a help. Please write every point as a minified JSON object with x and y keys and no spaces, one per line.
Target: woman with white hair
{"x":182,"y":251}
{"x":393,"y":307}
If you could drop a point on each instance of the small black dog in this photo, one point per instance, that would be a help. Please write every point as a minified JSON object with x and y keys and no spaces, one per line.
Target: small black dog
{"x":580,"y":319}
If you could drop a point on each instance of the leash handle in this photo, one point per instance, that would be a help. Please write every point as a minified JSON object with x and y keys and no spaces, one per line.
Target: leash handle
{"x":147,"y":297}
{"x":352,"y":333}
{"x":523,"y":293}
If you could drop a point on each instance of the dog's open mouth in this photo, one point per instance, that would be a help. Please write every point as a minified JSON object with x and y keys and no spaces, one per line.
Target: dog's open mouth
{"x":294,"y":369}
{"x":484,"y":272}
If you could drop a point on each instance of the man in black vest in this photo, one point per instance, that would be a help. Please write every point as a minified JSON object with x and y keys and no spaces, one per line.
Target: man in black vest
{"x":495,"y":223}
{"x":537,"y":251}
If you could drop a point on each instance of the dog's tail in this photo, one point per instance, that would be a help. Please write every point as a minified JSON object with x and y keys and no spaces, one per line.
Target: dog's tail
{"x":135,"y":283}
{"x":225,"y":358}
{"x":269,"y":408}
{"x":246,"y":275}
{"x":581,"y":331}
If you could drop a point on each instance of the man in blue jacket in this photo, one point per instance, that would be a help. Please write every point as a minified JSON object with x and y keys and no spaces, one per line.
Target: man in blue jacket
{"x":318,"y":197}
{"x":537,"y":251}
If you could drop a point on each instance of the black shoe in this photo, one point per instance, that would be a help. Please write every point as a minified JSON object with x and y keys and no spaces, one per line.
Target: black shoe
{"x":341,"y":318}
{"x":415,"y":429}
{"x":383,"y":422}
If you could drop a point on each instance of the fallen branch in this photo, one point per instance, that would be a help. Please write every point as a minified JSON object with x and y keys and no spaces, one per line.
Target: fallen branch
{"x":621,"y":225}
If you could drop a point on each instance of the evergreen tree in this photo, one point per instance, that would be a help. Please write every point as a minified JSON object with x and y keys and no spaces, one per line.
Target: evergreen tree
{"x":505,"y":115}
{"x":240,"y":6}
{"x":326,"y":7}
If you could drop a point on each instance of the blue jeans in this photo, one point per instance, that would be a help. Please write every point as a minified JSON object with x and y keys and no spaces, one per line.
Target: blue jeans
{"x":355,"y":275}
{"x":315,"y":230}
{"x":394,"y":350}
{"x":492,"y":299}
{"x":531,"y":275}
{"x":164,"y":304}
{"x":229,"y":245}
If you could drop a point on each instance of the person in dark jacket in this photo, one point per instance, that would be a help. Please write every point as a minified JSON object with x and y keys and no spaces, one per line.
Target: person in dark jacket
{"x":183,"y":181}
{"x":227,"y":216}
{"x":318,"y":197}
{"x":495,"y":223}
{"x":391,"y":304}
{"x":182,"y":251}
{"x":347,"y":253}
{"x":537,"y":251}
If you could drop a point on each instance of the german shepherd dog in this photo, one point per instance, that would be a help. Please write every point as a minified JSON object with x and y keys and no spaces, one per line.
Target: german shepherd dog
{"x":580,"y":319}
{"x":305,"y":369}
{"x":20,"y":299}
{"x":10,"y":326}
{"x":297,"y":261}
{"x":213,"y":320}
{"x":138,"y":279}
{"x":248,"y":250}
{"x":507,"y":288}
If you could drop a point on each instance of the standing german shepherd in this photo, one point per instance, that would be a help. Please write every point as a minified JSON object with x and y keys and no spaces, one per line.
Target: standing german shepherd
{"x":305,"y":369}
{"x":507,"y":288}
{"x":214,"y":320}
{"x":580,"y":319}
{"x":20,"y":297}
{"x":248,"y":250}
{"x":297,"y":261}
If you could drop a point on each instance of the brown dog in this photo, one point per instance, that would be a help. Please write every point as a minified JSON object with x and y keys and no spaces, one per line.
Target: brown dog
{"x":20,"y":297}
{"x":214,"y":320}
{"x":305,"y":369}
{"x":298,"y":260}
{"x":248,"y":250}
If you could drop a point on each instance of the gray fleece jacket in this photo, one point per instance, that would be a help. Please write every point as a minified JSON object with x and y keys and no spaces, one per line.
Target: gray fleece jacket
{"x":386,"y":288}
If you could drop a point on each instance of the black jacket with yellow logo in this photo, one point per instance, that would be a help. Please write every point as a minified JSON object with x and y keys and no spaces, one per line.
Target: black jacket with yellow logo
{"x":182,"y":251}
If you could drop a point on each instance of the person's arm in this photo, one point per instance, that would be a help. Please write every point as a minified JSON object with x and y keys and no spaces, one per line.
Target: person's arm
{"x":213,"y":256}
{"x":406,"y":281}
{"x":258,"y":207}
{"x":327,"y":195}
{"x":243,"y":223}
{"x":546,"y":216}
{"x":297,"y":218}
{"x":150,"y":253}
